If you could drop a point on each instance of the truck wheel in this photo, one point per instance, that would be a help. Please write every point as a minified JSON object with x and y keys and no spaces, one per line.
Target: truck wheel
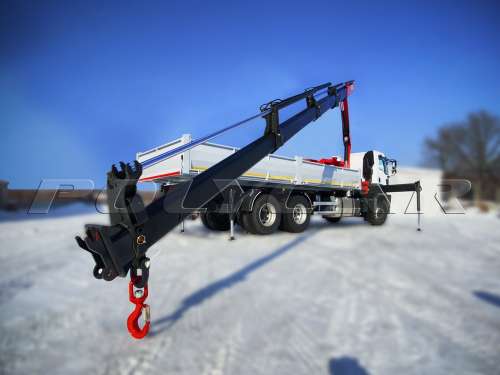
{"x":297,"y":215}
{"x":378,"y":216}
{"x":215,"y":220}
{"x":332,"y":219}
{"x":245,"y":222}
{"x":265,"y":217}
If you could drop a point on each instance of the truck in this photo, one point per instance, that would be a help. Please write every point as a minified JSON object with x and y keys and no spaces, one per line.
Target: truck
{"x":250,"y":186}
{"x":279,"y":192}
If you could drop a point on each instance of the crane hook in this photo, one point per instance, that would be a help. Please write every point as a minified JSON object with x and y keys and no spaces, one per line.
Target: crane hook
{"x":138,"y":297}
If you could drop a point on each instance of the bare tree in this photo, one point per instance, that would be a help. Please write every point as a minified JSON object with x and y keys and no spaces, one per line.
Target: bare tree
{"x":469,"y":149}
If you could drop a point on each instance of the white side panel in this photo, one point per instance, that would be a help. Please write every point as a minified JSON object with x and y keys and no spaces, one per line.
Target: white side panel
{"x":272,"y":168}
{"x":314,"y":173}
{"x":280,"y":168}
{"x":166,"y":167}
{"x":208,"y":154}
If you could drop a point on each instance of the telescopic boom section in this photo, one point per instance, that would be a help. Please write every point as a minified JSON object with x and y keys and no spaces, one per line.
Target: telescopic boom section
{"x":346,"y":132}
{"x":122,"y":246}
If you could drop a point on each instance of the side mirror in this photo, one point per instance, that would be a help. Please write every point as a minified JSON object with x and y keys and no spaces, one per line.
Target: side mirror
{"x":394,"y":167}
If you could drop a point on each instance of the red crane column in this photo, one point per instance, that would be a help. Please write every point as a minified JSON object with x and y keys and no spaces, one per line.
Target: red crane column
{"x":346,"y":132}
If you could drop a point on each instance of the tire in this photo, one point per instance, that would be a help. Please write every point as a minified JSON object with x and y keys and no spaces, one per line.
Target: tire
{"x":296,"y":215}
{"x":332,"y":219}
{"x":378,"y":215}
{"x":265,"y":216}
{"x":215,"y":220}
{"x":245,"y":222}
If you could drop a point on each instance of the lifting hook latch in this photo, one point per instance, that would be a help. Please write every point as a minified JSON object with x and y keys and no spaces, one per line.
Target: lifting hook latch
{"x":138,"y":297}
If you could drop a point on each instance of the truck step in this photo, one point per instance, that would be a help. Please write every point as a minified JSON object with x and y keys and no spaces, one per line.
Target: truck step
{"x":324,"y":204}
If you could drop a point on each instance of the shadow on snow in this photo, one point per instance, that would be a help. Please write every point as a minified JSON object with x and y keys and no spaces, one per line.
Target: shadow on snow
{"x":212,"y":289}
{"x":488,"y":297}
{"x":346,"y":366}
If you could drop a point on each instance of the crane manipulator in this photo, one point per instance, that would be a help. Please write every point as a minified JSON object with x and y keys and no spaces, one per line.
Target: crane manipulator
{"x":122,"y":246}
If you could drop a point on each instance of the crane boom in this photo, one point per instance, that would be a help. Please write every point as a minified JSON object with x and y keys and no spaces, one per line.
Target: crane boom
{"x":122,"y":245}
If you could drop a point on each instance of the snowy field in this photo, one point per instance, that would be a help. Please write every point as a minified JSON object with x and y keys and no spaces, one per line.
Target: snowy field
{"x":342,"y":298}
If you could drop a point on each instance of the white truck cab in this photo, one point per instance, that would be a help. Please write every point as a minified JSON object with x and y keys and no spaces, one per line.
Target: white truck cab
{"x":375,"y":166}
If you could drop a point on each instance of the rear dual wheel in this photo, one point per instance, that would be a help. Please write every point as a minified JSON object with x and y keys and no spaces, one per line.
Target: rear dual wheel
{"x":265,"y":216}
{"x":268,"y":215}
{"x":215,"y":220}
{"x":297,"y":214}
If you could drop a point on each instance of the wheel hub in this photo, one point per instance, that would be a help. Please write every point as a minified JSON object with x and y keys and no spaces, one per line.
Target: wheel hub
{"x":299,"y":213}
{"x":267,"y":214}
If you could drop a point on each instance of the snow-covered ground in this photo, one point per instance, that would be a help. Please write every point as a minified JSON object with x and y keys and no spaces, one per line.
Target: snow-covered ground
{"x":342,"y":298}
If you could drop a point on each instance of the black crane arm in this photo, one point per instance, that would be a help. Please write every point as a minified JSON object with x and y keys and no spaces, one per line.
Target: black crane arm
{"x":122,"y":245}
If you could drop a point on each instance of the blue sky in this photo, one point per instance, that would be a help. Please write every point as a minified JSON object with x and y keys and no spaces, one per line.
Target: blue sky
{"x":86,"y":84}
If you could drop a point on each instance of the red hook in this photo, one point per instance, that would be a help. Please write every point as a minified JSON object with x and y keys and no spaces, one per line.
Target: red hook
{"x":138,"y":297}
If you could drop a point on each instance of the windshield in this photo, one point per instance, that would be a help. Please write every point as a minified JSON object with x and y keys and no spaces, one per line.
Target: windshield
{"x":388,"y":166}
{"x":382,"y":164}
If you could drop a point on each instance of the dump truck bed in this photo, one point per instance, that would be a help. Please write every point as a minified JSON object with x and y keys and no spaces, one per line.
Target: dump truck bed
{"x":272,"y":169}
